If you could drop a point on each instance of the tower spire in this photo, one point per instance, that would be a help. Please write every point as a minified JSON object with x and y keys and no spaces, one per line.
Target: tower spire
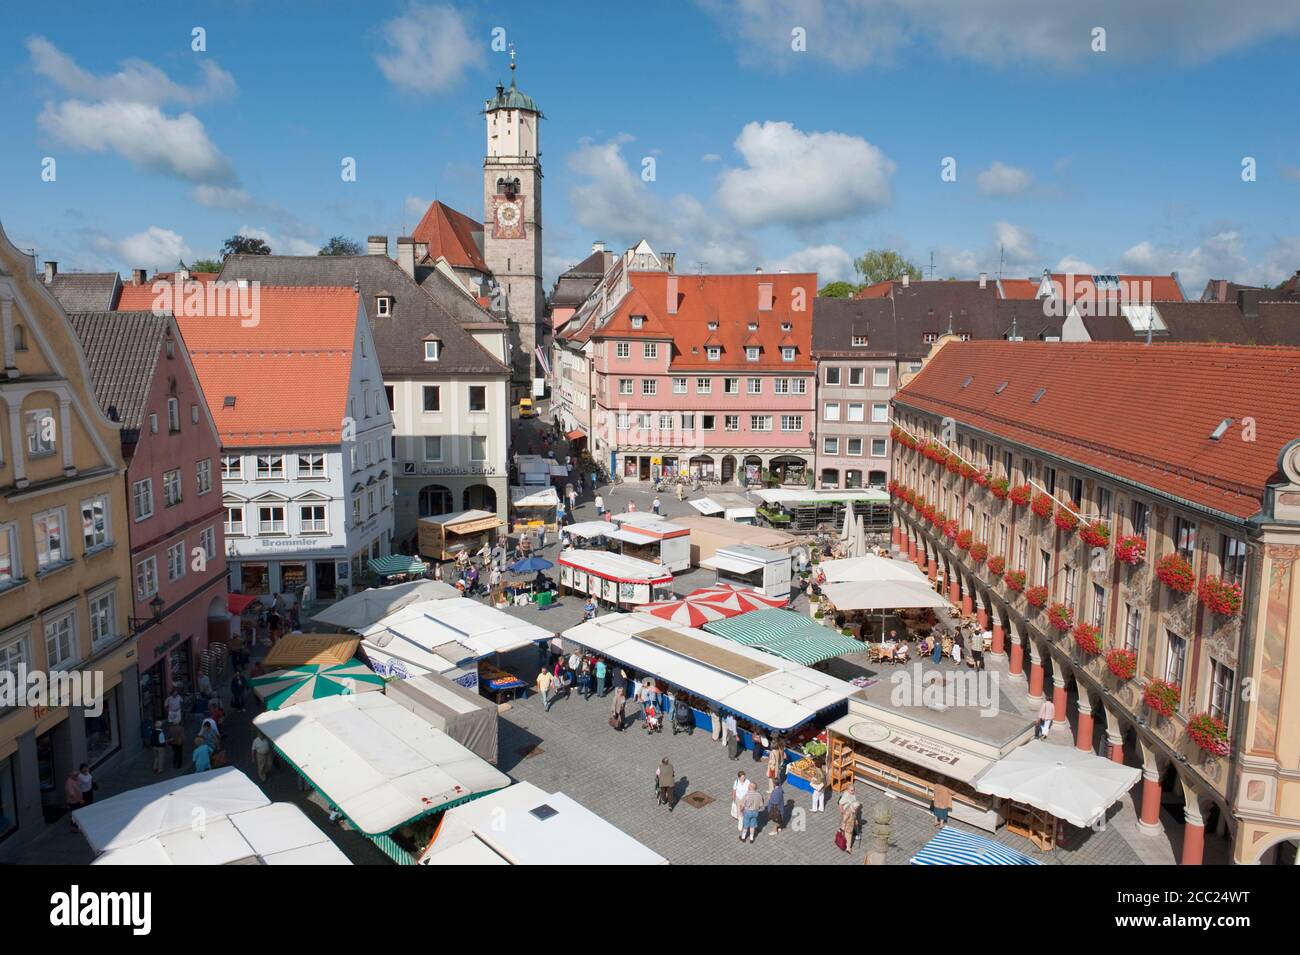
{"x":512,"y":62}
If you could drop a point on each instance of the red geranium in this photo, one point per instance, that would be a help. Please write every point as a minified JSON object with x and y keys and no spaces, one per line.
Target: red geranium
{"x":1162,"y":696}
{"x":953,"y":464}
{"x":929,"y":512}
{"x":1221,"y":596}
{"x":1210,"y":734}
{"x":950,"y":527}
{"x":1175,"y":572}
{"x":999,"y":487}
{"x":1014,"y":579}
{"x":982,"y":478}
{"x":892,"y":487}
{"x":1036,"y":596}
{"x":1123,"y":663}
{"x":965,"y":539}
{"x":1095,"y":534}
{"x":997,"y":565}
{"x":1060,"y":616}
{"x":1042,"y":505}
{"x":1131,"y":549}
{"x":1066,"y":518}
{"x":1088,"y":637}
{"x":1020,"y":494}
{"x":978,"y":551}
{"x":969,"y":471}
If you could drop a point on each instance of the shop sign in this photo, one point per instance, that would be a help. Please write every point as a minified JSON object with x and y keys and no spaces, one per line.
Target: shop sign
{"x":163,"y":648}
{"x":293,"y":543}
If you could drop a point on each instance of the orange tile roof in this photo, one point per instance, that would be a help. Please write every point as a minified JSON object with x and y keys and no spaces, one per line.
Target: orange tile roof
{"x":140,"y":298}
{"x":879,"y":290}
{"x":450,"y":235}
{"x":1020,"y":288}
{"x":730,"y":300}
{"x":1143,"y":413}
{"x":288,"y":373}
{"x":1149,"y":288}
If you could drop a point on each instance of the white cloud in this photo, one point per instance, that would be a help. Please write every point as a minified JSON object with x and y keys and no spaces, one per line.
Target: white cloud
{"x":1017,"y":244}
{"x":140,"y":133}
{"x":797,"y":178}
{"x":136,"y":82}
{"x":1078,"y":266}
{"x":853,"y":33}
{"x":155,"y":248}
{"x":1003,"y":180}
{"x":710,"y":157}
{"x":830,"y":262}
{"x":1221,"y":255}
{"x":428,"y":48}
{"x":222,"y":197}
{"x":415,"y":207}
{"x":282,"y":244}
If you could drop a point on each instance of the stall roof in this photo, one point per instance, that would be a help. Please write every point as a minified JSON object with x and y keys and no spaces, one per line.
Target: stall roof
{"x":883,"y":595}
{"x":869,"y":568}
{"x":588,"y":529}
{"x":758,"y":686}
{"x":378,"y":762}
{"x":476,"y":521}
{"x":721,"y":561}
{"x":1070,"y":784}
{"x":301,"y":649}
{"x":524,"y":825}
{"x":650,"y":524}
{"x":785,"y":495}
{"x":954,"y":846}
{"x":719,"y":503}
{"x":616,"y":566}
{"x":534,"y":496}
{"x":441,"y":635}
{"x":360,"y":610}
{"x":786,"y":634}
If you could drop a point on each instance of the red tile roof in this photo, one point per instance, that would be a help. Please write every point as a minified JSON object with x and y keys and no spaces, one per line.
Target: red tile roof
{"x":1142,"y":413}
{"x":450,"y":235}
{"x":732,"y":301}
{"x":1020,"y":288}
{"x":879,"y":290}
{"x":140,"y":298}
{"x":1139,"y":288}
{"x":288,"y":373}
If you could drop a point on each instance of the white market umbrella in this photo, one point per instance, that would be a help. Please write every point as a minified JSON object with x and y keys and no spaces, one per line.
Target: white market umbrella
{"x":1068,"y":783}
{"x":847,"y":532}
{"x":883,"y":595}
{"x":860,"y":537}
{"x":869,"y":567}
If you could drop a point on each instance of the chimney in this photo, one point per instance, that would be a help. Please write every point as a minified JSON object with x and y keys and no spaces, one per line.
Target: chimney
{"x":182,"y":275}
{"x":51,"y":270}
{"x":377,"y":245}
{"x":672,"y":294}
{"x":139,"y":276}
{"x":421,"y":251}
{"x":669,"y":259}
{"x":984,"y":280}
{"x":406,"y":255}
{"x":597,"y":246}
{"x":758,"y":270}
{"x":907,"y":280}
{"x":765,"y":296}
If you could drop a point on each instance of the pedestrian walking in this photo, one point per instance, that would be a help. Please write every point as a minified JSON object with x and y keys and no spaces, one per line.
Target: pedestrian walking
{"x":849,"y":807}
{"x":541,"y":538}
{"x":1046,"y":714}
{"x":655,"y":506}
{"x":262,"y":756}
{"x":572,"y":495}
{"x":776,"y":806}
{"x":750,"y":806}
{"x":729,"y":727}
{"x":72,"y":793}
{"x":738,"y":790}
{"x":618,"y":713}
{"x":941,"y":804}
{"x":817,"y":779}
{"x":937,"y":655}
{"x":175,"y":704}
{"x":631,"y":506}
{"x":544,"y":683}
{"x":87,"y":783}
{"x":238,"y":688}
{"x":666,"y":781}
{"x":602,"y":676}
{"x":681,"y":491}
{"x":176,"y":740}
{"x":158,"y":743}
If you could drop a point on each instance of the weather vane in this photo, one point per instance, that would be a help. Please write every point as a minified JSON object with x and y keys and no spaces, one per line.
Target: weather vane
{"x":512,"y":57}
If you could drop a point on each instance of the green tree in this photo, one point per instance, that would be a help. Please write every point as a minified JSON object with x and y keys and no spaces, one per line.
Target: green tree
{"x":340,"y":245}
{"x":205,"y":265}
{"x":839,"y":290}
{"x":883,"y":265}
{"x":244,"y":245}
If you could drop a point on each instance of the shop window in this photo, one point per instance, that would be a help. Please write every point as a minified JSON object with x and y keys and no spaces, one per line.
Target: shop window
{"x":103,"y":736}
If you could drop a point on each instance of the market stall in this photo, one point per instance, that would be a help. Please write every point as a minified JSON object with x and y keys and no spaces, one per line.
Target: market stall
{"x":785,"y":634}
{"x":868,"y":568}
{"x":444,"y":536}
{"x":652,"y":539}
{"x":382,"y":766}
{"x":463,"y":715}
{"x":883,"y":595}
{"x":614,"y":578}
{"x":397,"y":567}
{"x":952,"y":846}
{"x":525,"y":825}
{"x":362,"y":609}
{"x":533,"y":507}
{"x":306,"y":649}
{"x":804,"y":510}
{"x":587,"y":534}
{"x":299,"y":684}
{"x":154,"y":825}
{"x":736,"y":508}
{"x":710,"y":533}
{"x":746,"y":565}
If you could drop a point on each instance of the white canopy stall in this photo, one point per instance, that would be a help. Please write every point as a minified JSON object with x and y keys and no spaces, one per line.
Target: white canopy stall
{"x":614,"y":578}
{"x":360,"y":610}
{"x":531,"y":507}
{"x":1066,"y":782}
{"x":869,"y":568}
{"x":728,"y":506}
{"x":883,"y":595}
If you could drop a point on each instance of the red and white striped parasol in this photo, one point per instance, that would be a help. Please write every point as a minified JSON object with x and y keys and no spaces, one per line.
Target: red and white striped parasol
{"x":734,"y":599}
{"x":687,"y":611}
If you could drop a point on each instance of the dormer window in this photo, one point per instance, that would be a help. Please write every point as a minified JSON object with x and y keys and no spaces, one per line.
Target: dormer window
{"x":751,"y":353}
{"x":713,"y":353}
{"x":171,"y":348}
{"x":787,"y":354}
{"x":432,"y":350}
{"x":753,"y":326}
{"x":786,"y":327}
{"x":638,"y":321}
{"x":713,"y":326}
{"x":383,"y":306}
{"x":859,"y":341}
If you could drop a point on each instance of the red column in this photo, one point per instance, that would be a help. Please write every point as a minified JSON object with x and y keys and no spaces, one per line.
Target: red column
{"x":1117,"y":753}
{"x":982,"y":617}
{"x":999,"y":640}
{"x":896,"y":537}
{"x":1193,"y":842}
{"x":1083,"y":737}
{"x":920,"y":555}
{"x":1035,"y":680}
{"x":1017,"y":666}
{"x":1150,"y":802}
{"x":954,"y":594}
{"x":933,"y":569}
{"x":1058,"y":700}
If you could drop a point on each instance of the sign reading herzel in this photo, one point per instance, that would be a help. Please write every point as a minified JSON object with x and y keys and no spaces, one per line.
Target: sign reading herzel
{"x":925,"y":747}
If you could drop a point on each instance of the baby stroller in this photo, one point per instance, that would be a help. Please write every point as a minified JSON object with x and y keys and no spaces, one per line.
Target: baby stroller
{"x":683,"y":718}
{"x":653,"y":721}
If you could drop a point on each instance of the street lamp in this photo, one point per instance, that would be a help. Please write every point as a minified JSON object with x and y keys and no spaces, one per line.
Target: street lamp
{"x":156,"y":607}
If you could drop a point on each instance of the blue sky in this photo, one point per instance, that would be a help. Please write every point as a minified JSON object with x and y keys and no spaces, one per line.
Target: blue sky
{"x":1122,"y":159}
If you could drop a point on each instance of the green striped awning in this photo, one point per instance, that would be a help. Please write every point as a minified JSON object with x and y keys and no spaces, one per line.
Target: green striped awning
{"x":395,"y":564}
{"x":786,"y":634}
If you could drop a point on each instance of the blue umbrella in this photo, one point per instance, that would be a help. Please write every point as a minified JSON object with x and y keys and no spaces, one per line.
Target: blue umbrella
{"x":530,"y":564}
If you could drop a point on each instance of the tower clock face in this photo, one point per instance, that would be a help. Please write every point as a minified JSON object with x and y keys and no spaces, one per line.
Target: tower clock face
{"x":508,"y":218}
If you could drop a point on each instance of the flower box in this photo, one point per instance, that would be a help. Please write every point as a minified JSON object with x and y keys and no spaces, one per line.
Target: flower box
{"x":1066,"y":518}
{"x":1036,"y":596}
{"x":950,"y":528}
{"x":1122,"y":663}
{"x":1131,"y":549}
{"x":893,"y":488}
{"x":969,"y":472}
{"x":965,"y":539}
{"x":997,"y":565}
{"x":978,"y":551}
{"x":1014,"y":579}
{"x":982,"y":478}
{"x":1060,"y":616}
{"x":999,"y":487}
{"x":1221,"y":596}
{"x":1162,"y":697}
{"x":1088,"y":639}
{"x":1020,"y":494}
{"x":953,"y":464}
{"x":1175,"y":572}
{"x":1095,"y":534}
{"x":1210,"y":734}
{"x":1042,"y":505}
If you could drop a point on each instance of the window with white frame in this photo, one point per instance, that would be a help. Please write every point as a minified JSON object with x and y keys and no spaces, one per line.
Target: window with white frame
{"x":40,"y":432}
{"x":232,"y":467}
{"x":751,"y":353}
{"x":146,"y":578}
{"x":760,"y":422}
{"x":1232,"y":558}
{"x":203,"y":476}
{"x":708,"y":422}
{"x":859,"y":341}
{"x":50,"y":547}
{"x":731,"y":386}
{"x":679,"y":386}
{"x":356,"y":509}
{"x":1175,"y":658}
{"x":142,"y":499}
{"x":383,"y":305}
{"x":649,"y":387}
{"x":431,"y":398}
{"x":688,"y":422}
{"x":176,"y":561}
{"x":433,"y":447}
{"x":731,"y":422}
{"x":208,"y":541}
{"x":311,"y":465}
{"x":172,"y":487}
{"x":1044,"y":568}
{"x":311,"y":518}
{"x":755,"y":386}
{"x":478,"y":397}
{"x":9,"y":569}
{"x":1099,"y":607}
{"x":13,"y":652}
{"x":478,"y":447}
{"x":857,"y":377}
{"x":833,"y":375}
{"x":853,"y":446}
{"x":649,"y":350}
{"x":432,"y":350}
{"x":787,"y":353}
{"x":1222,"y":678}
{"x":270,"y":519}
{"x":643,"y":421}
{"x":831,"y":411}
{"x":1071,"y":578}
{"x":94,"y":522}
{"x":857,"y":411}
{"x":638,"y":321}
{"x":173,"y":415}
{"x":665,"y":423}
{"x":234,"y":521}
{"x":880,"y":377}
{"x":624,"y":420}
{"x":879,"y":412}
{"x":713,"y":353}
{"x":830,"y":445}
{"x":625,"y":386}
{"x":791,"y":422}
{"x":61,"y":641}
{"x":370,"y":504}
{"x":704,"y":386}
{"x":622,"y":349}
{"x":1132,"y":626}
{"x":270,"y":466}
{"x":878,"y":448}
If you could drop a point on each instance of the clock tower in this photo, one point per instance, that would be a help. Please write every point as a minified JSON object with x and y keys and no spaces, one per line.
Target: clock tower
{"x":512,"y":217}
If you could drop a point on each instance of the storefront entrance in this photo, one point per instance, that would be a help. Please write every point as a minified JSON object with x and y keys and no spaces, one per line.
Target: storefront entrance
{"x":293,"y":577}
{"x":153,"y":693}
{"x":325,"y":580}
{"x":788,"y":470}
